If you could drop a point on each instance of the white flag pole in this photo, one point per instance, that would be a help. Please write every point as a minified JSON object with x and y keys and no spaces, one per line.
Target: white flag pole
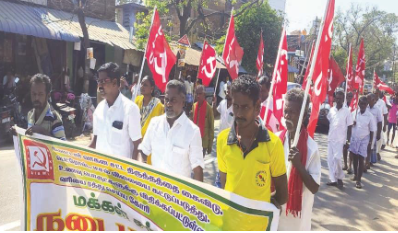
{"x":347,"y":74}
{"x":143,"y":58}
{"x":215,"y":89}
{"x":309,"y":78}
{"x":274,"y":76}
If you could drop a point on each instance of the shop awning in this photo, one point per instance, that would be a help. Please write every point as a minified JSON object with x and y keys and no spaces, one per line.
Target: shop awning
{"x":59,"y":25}
{"x":33,"y":21}
{"x":192,"y":57}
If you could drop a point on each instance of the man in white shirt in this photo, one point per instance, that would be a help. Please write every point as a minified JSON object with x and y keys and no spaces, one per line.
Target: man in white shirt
{"x":189,"y":88}
{"x":221,"y":93}
{"x":307,"y":171}
{"x":361,"y":139}
{"x":272,"y":123}
{"x":172,"y":139}
{"x":380,"y":104}
{"x":224,"y":109}
{"x":340,"y":124}
{"x":116,"y":126}
{"x":378,"y":122}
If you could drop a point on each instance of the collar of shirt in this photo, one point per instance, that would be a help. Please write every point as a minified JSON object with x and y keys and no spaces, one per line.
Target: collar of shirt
{"x":45,"y":115}
{"x":262,"y":136}
{"x":117,"y":102}
{"x":179,"y":122}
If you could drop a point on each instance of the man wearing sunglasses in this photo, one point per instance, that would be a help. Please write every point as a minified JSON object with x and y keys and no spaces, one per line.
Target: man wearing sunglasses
{"x":116,"y":129}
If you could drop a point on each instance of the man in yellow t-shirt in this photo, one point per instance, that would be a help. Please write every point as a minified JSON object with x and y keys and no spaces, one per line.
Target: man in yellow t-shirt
{"x":249,"y":156}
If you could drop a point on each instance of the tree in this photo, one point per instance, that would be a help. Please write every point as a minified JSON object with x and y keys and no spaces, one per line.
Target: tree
{"x":378,"y":29}
{"x":184,"y":10}
{"x":248,"y":27}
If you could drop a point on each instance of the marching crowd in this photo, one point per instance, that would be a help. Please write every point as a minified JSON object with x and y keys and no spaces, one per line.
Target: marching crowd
{"x":256,"y":160}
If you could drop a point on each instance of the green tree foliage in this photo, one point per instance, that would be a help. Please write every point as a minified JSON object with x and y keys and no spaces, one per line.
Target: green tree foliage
{"x":377,"y":28}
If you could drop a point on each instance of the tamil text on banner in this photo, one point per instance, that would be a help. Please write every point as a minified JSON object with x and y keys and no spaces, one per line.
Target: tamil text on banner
{"x":68,"y":187}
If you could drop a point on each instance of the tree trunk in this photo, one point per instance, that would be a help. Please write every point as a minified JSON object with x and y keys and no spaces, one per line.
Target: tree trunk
{"x":86,"y":45}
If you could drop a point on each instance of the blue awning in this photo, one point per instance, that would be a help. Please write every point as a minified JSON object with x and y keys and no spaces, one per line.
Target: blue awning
{"x":292,"y":69}
{"x":33,"y":21}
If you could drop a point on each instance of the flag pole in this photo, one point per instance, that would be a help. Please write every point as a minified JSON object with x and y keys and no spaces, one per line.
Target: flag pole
{"x":273,"y":77}
{"x":374,"y":77}
{"x":347,"y":73}
{"x":215,"y":89}
{"x":143,"y":58}
{"x":307,"y":88}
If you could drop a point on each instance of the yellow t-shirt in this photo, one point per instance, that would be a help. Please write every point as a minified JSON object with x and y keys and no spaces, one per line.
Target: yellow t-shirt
{"x":250,"y":176}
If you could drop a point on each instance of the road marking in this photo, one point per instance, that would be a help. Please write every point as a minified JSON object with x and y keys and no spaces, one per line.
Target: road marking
{"x":10,"y":225}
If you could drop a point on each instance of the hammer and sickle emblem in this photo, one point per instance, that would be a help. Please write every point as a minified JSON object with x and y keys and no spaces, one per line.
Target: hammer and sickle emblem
{"x":40,"y":162}
{"x":209,"y":61}
{"x":317,"y":86}
{"x":161,"y":70}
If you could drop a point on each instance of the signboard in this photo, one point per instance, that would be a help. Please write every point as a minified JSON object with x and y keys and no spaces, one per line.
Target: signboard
{"x":181,"y":62}
{"x":182,"y":53}
{"x":70,"y":187}
{"x":184,"y":41}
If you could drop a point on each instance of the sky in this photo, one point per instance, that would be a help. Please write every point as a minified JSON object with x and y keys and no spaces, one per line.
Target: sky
{"x":301,"y":13}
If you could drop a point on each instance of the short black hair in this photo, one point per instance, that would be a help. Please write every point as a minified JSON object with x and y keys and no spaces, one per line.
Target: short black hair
{"x":264,"y":80}
{"x":179,"y":85}
{"x":247,"y":85}
{"x":364,"y":98}
{"x":339,"y":93}
{"x":112,"y":71}
{"x":42,"y":78}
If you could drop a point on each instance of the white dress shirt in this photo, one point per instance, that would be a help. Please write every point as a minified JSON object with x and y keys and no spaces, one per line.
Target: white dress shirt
{"x":313,"y":167}
{"x":339,"y":120}
{"x":111,"y":140}
{"x":226,"y":115}
{"x":365,"y":123}
{"x":177,"y":149}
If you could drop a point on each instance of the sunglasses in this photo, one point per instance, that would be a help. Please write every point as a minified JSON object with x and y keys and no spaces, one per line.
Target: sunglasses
{"x":103,"y":81}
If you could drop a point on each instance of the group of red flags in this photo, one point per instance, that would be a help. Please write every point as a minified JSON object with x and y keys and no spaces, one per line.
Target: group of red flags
{"x":325,"y":72}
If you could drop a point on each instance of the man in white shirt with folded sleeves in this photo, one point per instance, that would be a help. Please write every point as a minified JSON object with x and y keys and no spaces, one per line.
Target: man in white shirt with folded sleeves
{"x":172,"y":139}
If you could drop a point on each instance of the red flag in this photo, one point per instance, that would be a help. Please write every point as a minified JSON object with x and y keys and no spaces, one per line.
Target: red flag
{"x":336,"y":77}
{"x":260,"y":57}
{"x":354,"y":101}
{"x":280,"y":77}
{"x":159,"y":55}
{"x":350,"y":75}
{"x":232,"y":53}
{"x":360,"y":69}
{"x":307,"y":70}
{"x":208,"y":63}
{"x":381,"y":85}
{"x":321,"y":66}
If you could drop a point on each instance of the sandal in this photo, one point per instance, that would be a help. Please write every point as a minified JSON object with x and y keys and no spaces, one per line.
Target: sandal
{"x":358,"y":185}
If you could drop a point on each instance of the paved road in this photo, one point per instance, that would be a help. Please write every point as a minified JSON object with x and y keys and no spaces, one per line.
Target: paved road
{"x":372,"y":208}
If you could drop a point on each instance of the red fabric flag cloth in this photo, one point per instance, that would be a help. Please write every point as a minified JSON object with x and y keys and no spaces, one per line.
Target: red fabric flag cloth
{"x":208,"y":63}
{"x":321,"y":64}
{"x":201,"y":122}
{"x":336,"y":77}
{"x":350,"y":75}
{"x":260,"y":57}
{"x":360,"y":68}
{"x":161,"y":58}
{"x":232,"y":53}
{"x":280,"y":77}
{"x":295,"y":183}
{"x":354,"y":101}
{"x":381,"y":85}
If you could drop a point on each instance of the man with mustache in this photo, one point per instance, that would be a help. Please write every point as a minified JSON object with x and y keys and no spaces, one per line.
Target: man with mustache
{"x":340,"y":125}
{"x":43,"y":119}
{"x":249,"y":156}
{"x":116,"y":128}
{"x":303,"y":166}
{"x":172,"y":139}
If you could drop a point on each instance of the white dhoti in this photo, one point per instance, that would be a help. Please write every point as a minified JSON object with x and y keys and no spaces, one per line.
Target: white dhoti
{"x":335,"y":163}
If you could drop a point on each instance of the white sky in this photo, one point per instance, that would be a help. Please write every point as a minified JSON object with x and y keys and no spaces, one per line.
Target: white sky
{"x":301,"y":13}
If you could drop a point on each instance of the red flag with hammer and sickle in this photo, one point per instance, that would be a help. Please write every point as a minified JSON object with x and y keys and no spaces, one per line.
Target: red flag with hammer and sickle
{"x":207,"y":67}
{"x":260,"y":57}
{"x":161,"y":58}
{"x":360,"y":69}
{"x":321,"y":64}
{"x":232,"y":53}
{"x":377,"y":83}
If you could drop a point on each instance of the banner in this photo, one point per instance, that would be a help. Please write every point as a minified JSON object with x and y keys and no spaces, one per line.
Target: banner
{"x":69,"y":187}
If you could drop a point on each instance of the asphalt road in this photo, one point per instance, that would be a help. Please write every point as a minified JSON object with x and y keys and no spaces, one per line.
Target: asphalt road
{"x":372,"y":208}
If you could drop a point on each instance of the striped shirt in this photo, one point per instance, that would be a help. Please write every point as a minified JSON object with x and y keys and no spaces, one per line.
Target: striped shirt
{"x":50,"y":120}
